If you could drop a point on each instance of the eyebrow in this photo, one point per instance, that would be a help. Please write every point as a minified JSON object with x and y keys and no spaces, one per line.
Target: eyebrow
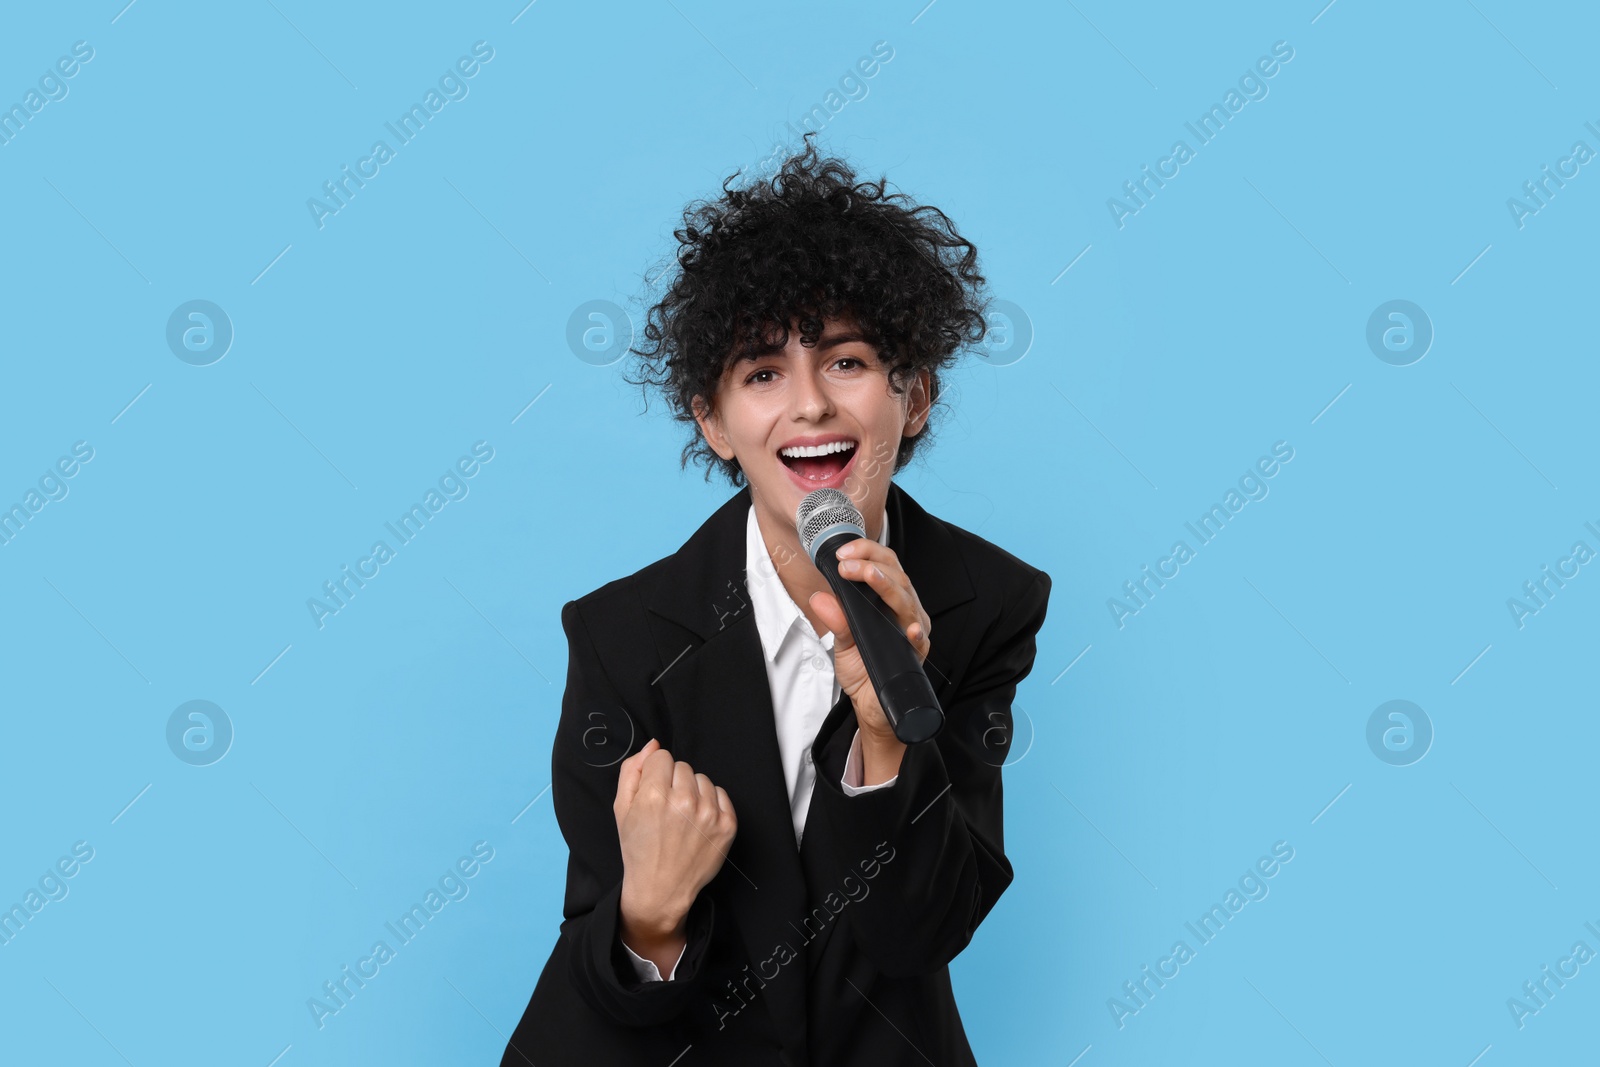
{"x":832,"y":340}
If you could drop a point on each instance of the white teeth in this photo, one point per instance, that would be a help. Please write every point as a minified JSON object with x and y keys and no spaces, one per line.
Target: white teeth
{"x":817,"y":450}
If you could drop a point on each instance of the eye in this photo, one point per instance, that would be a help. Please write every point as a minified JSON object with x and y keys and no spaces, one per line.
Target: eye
{"x":752,"y":379}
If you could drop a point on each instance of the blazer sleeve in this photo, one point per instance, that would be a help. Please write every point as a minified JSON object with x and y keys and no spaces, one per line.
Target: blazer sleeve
{"x":595,"y":733}
{"x":943,"y":816}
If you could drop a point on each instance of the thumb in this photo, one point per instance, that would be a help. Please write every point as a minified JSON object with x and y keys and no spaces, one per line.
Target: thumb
{"x":828,"y":609}
{"x":632,"y":770}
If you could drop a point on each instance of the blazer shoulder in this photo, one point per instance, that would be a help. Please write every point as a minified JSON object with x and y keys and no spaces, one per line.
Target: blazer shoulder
{"x":616,"y":597}
{"x":992,"y":567}
{"x":720,"y":536}
{"x":620,"y":599}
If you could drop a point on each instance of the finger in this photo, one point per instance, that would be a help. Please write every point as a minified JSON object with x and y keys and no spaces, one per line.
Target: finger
{"x":633,"y":761}
{"x":866,"y":548}
{"x":725,"y":807}
{"x":870,"y":561}
{"x":683,"y":779}
{"x":657,"y":771}
{"x":706,"y":790}
{"x":894,"y":588}
{"x":886,"y":579}
{"x":631,"y":772}
{"x":864,"y":555}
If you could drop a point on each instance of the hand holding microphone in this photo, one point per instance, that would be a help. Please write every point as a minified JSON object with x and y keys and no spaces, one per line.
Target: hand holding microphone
{"x":881,"y":633}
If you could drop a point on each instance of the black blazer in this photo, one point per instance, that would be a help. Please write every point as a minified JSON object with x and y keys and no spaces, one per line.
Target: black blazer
{"x":834,"y":953}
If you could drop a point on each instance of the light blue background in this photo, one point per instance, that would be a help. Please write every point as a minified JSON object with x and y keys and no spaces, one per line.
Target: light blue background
{"x":426,"y":315}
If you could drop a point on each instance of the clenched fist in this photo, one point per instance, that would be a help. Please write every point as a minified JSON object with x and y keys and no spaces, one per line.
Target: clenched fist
{"x":675,"y":827}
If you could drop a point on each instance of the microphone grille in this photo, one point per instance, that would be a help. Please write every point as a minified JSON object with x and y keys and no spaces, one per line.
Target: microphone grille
{"x":823,"y":509}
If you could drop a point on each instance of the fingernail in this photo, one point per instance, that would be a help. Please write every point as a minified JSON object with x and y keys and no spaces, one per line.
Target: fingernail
{"x":848,"y":566}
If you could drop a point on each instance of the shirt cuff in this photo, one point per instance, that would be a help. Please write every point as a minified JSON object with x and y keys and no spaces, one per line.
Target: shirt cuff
{"x":647,"y":970}
{"x":851,"y":782}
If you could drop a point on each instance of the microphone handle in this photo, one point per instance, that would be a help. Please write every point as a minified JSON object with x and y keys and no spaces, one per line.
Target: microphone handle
{"x":897,"y":677}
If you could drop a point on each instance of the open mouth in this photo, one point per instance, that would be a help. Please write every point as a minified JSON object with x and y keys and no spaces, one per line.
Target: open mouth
{"x":819,"y":465}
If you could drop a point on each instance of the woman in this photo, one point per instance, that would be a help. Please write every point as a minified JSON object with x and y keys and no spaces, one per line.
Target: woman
{"x":771,"y":877}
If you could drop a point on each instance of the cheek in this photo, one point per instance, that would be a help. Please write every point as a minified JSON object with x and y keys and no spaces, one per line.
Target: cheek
{"x":749,"y":432}
{"x":892,"y":425}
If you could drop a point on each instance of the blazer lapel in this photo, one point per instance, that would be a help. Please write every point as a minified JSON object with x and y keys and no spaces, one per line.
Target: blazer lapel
{"x":714,"y":685}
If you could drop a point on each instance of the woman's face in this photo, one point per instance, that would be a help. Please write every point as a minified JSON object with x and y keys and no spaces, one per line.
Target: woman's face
{"x":799,"y":419}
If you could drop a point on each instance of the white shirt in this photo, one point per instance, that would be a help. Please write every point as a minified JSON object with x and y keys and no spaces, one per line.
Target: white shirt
{"x":804,"y":688}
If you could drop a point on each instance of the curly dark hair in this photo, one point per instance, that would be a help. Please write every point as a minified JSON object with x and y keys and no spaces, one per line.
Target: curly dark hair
{"x":812,"y":243}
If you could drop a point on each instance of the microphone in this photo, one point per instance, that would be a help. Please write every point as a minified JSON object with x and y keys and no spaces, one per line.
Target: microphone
{"x":827,"y":519}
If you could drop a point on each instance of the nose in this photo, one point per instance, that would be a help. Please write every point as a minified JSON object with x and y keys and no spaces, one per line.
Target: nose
{"x":810,"y":398}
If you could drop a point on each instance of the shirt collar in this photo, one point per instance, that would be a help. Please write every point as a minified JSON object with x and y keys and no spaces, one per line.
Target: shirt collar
{"x":777,"y":615}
